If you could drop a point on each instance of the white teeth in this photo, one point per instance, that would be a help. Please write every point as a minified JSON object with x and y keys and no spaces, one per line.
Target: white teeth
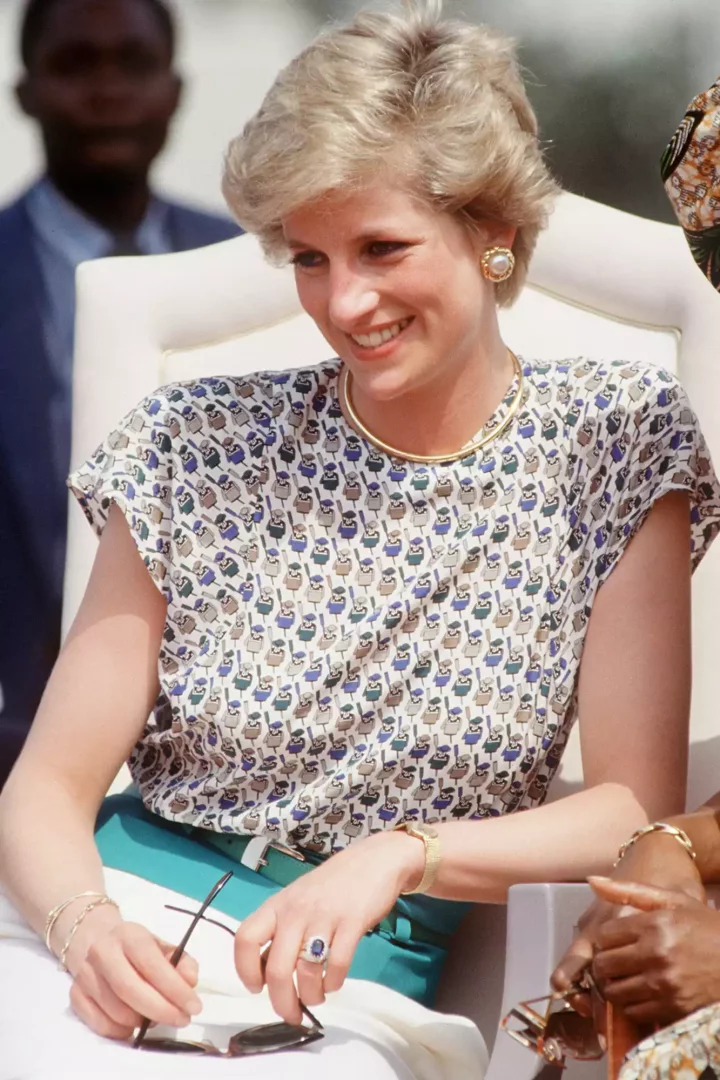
{"x":379,"y":337}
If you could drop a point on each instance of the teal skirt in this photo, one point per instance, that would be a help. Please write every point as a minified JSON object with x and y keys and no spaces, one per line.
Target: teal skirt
{"x":406,"y":952}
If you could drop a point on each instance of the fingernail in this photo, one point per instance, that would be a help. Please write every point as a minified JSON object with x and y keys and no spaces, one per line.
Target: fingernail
{"x":195,"y":1007}
{"x":598,"y":877}
{"x":182,"y":1020}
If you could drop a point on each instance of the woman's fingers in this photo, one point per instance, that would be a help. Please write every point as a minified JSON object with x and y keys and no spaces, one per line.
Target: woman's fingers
{"x":343,"y":946}
{"x":310,"y":976}
{"x":99,"y":991}
{"x":95,"y":1018}
{"x":187,"y":966}
{"x":131,"y":987}
{"x":149,"y":959}
{"x":639,"y":896}
{"x":250,"y":939}
{"x":280,"y":965}
{"x":126,"y":976}
{"x":282,"y":959}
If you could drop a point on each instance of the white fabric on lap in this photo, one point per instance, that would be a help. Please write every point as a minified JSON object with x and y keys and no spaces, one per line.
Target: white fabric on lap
{"x":371,"y":1031}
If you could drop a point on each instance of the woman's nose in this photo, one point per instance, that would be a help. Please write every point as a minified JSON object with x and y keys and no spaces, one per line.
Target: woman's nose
{"x":352,"y":299}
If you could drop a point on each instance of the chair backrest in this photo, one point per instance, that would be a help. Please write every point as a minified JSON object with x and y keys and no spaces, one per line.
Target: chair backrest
{"x":602,"y":284}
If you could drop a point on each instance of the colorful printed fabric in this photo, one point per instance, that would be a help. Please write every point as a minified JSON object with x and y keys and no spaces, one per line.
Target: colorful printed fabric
{"x":691,"y":174}
{"x":353,"y":639}
{"x":688,"y":1050}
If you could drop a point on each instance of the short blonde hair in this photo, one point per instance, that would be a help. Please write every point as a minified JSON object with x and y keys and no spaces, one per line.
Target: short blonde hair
{"x":442,"y":101}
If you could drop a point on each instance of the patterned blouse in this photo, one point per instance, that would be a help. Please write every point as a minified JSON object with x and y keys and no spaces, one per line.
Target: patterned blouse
{"x":686,"y":1050}
{"x":691,"y":174}
{"x":353,"y":639}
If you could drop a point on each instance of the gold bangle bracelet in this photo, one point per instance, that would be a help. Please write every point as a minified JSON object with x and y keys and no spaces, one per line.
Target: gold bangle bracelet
{"x":433,"y":854}
{"x":57,"y":911}
{"x":77,"y":924}
{"x":658,"y":826}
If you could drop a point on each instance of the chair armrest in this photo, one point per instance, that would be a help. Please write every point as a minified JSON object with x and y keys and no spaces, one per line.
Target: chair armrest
{"x":540,"y":921}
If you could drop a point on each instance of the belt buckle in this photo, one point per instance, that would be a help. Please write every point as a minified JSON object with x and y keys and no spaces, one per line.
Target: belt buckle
{"x":285,"y":850}
{"x":253,"y":857}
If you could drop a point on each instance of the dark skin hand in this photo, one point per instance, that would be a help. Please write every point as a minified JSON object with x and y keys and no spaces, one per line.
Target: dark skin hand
{"x":657,"y":860}
{"x":661,"y":963}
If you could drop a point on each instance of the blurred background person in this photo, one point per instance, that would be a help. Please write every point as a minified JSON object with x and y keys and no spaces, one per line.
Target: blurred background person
{"x":98,"y":79}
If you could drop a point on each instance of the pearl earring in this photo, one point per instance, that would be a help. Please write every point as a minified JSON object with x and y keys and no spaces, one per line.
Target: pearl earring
{"x":497,"y":264}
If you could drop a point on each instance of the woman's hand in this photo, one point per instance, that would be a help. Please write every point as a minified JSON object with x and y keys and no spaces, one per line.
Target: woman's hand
{"x":662,"y":964}
{"x":122,"y":974}
{"x":658,"y":860}
{"x":340,"y":900}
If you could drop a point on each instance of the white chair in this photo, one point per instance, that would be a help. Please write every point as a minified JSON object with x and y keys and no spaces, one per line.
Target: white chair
{"x":602,"y":283}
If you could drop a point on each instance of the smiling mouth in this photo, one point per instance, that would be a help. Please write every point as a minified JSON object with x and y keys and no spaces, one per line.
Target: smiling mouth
{"x":379,"y":337}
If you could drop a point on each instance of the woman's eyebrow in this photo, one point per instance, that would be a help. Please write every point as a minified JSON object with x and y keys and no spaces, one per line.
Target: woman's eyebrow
{"x":373,"y":233}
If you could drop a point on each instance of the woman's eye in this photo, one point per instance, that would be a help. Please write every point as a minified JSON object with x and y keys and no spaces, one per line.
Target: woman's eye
{"x":308,"y":260}
{"x":378,"y":248}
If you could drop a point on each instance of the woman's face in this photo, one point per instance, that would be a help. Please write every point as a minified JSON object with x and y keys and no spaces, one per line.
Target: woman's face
{"x":394,"y":286}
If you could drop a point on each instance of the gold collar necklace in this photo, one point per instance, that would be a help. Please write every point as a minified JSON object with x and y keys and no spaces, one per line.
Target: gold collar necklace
{"x":345,"y":387}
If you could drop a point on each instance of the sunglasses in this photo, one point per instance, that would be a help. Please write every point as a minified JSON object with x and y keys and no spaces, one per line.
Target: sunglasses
{"x":262,"y":1039}
{"x":554,"y":1030}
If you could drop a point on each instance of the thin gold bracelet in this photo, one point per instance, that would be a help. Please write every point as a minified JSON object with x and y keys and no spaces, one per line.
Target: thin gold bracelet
{"x":658,"y":826}
{"x":78,"y":922}
{"x":57,"y":911}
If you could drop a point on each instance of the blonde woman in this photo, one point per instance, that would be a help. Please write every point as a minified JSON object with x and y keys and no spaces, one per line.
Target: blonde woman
{"x":422,"y":560}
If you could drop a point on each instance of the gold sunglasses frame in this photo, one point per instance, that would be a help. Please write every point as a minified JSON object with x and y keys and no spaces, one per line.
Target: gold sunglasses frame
{"x":534,"y":1035}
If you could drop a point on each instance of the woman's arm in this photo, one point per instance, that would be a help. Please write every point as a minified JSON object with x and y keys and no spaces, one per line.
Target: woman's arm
{"x":97,"y":701}
{"x":634,"y":698}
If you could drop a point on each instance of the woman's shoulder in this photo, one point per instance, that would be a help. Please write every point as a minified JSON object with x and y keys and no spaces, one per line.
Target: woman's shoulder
{"x":227,"y":414}
{"x":582,"y":370}
{"x":596,"y":385}
{"x":235,"y":394}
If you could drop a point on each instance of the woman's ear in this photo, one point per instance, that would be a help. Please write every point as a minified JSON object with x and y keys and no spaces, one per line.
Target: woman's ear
{"x":497,"y":235}
{"x":490,"y":234}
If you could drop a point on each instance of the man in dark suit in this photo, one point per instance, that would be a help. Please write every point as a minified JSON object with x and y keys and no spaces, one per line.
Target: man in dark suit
{"x":99,"y":81}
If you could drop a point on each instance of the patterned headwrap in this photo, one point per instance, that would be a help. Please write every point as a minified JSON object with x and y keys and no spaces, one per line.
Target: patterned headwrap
{"x":691,"y":174}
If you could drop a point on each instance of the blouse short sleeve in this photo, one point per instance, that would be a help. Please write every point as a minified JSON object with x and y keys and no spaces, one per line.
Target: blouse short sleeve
{"x":655,"y":446}
{"x":134,"y":469}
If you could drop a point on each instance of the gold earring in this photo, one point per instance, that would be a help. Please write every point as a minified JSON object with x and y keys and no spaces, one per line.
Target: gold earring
{"x":497,"y":264}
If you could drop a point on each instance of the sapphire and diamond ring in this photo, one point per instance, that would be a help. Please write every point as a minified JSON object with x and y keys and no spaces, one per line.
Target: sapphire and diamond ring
{"x":315,"y":950}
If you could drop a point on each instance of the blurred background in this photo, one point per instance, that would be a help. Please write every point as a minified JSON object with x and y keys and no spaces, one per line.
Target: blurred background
{"x":610,"y":80}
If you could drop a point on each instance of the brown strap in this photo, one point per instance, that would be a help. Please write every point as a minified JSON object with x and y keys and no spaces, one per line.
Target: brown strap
{"x":622,"y":1035}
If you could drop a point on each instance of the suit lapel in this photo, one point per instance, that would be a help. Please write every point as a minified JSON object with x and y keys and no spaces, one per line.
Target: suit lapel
{"x":38,"y":506}
{"x":183,"y":235}
{"x":189,"y":229}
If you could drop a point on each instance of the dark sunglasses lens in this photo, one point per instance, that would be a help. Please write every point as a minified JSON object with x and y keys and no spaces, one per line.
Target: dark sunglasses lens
{"x":175,"y":1046}
{"x":575,"y":1034}
{"x":268,"y":1038}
